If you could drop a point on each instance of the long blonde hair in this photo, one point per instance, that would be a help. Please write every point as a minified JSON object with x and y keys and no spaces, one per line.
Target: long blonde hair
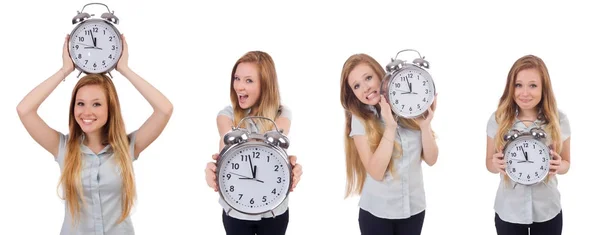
{"x":268,"y":104}
{"x":113,"y":133}
{"x":507,"y":107}
{"x":355,"y":170}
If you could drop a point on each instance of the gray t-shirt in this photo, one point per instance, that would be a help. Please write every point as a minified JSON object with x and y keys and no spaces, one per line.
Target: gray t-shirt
{"x":101,"y":192}
{"x":522,"y":204}
{"x":400,"y":197}
{"x":282,"y":208}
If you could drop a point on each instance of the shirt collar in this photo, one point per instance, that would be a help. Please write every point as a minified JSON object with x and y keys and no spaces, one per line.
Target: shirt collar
{"x":85,"y":149}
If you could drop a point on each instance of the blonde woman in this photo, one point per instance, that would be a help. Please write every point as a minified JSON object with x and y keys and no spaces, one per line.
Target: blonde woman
{"x":254,"y":91}
{"x":383,"y":156}
{"x":528,"y":96}
{"x":96,"y":156}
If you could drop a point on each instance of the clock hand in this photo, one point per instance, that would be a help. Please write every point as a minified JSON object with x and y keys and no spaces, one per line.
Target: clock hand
{"x":83,"y":44}
{"x":252,"y":168}
{"x":240,"y":175}
{"x":401,"y":91}
{"x":248,"y":178}
{"x":93,"y":38}
{"x":524,"y":154}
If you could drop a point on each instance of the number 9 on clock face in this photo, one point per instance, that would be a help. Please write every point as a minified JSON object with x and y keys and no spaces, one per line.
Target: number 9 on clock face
{"x":254,"y":178}
{"x":95,"y":46}
{"x":527,"y":160}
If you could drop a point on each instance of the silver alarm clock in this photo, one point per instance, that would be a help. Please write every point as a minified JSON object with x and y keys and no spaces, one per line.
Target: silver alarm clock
{"x":95,"y":44}
{"x":408,"y":87}
{"x":527,"y":156}
{"x":253,"y":170}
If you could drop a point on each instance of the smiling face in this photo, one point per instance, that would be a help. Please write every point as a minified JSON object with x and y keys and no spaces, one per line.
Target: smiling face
{"x":528,"y":89}
{"x":247,"y":84}
{"x":91,"y":108}
{"x":365,"y":84}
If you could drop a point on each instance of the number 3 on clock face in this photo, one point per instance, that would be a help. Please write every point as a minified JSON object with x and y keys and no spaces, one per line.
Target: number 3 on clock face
{"x":95,"y":46}
{"x":254,"y":179}
{"x":411,"y":92}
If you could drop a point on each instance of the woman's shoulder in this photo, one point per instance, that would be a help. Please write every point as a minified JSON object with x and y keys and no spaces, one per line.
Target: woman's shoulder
{"x":285,"y":111}
{"x":226,"y":111}
{"x":562,"y":115}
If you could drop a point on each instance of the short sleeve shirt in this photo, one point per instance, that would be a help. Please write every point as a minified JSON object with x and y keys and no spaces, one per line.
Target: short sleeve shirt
{"x":101,"y":180}
{"x":522,"y":204}
{"x":397,"y":197}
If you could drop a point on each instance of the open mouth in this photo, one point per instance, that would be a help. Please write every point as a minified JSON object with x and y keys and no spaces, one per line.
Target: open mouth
{"x":372,"y":95}
{"x":242,"y":98}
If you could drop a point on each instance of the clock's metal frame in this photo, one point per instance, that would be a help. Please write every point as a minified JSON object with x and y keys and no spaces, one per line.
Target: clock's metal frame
{"x":106,"y":18}
{"x":533,"y":134}
{"x":239,"y":138}
{"x":395,"y":67}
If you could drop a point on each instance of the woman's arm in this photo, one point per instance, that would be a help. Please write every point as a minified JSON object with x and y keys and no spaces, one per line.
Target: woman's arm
{"x":376,"y":162}
{"x":430,"y":148}
{"x":27,"y":109}
{"x":162,"y":107}
{"x":565,"y":154}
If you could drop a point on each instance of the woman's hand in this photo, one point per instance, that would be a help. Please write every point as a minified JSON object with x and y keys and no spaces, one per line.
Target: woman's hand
{"x":68,"y":65}
{"x":498,"y":163}
{"x":386,"y":113}
{"x":425,"y":121}
{"x":296,"y":172}
{"x":123,"y":63}
{"x":555,"y":162}
{"x":211,"y":173}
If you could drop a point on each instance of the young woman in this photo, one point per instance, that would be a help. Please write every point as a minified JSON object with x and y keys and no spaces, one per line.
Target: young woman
{"x":254,"y":91}
{"x":528,"y":96}
{"x":96,"y":156}
{"x":383,"y":155}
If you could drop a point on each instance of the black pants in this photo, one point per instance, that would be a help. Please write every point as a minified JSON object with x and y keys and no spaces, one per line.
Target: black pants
{"x":550,"y":227}
{"x":265,"y":226}
{"x":373,"y":225}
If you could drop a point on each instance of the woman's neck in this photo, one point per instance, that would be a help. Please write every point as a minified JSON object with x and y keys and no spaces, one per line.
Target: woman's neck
{"x":94,"y":141}
{"x":528,"y":116}
{"x":253,"y":111}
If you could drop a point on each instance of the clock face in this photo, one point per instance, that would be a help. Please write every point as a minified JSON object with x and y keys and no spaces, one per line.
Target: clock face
{"x":253,"y":177}
{"x":95,"y":46}
{"x":527,"y":160}
{"x":411,"y":92}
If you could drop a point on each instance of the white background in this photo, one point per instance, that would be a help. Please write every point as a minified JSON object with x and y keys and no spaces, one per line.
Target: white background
{"x":187,"y":49}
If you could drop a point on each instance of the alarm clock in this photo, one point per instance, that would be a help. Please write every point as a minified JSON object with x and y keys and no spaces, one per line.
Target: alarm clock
{"x":253,"y":170}
{"x":408,"y":87}
{"x":527,"y":156}
{"x":95,"y":44}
